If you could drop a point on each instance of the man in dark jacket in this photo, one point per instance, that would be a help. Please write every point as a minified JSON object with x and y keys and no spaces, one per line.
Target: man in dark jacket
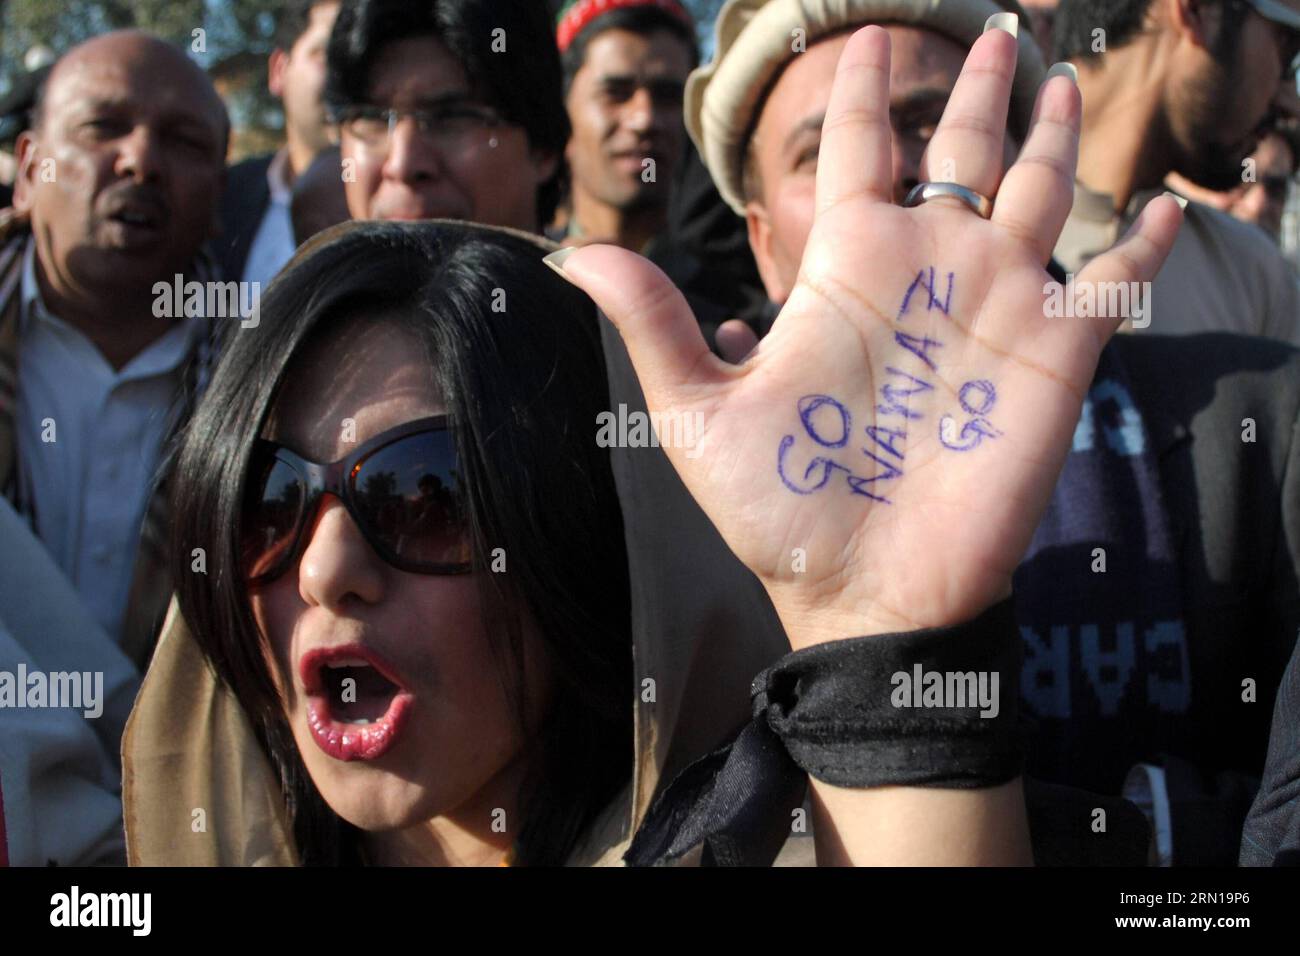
{"x":257,"y":235}
{"x":1272,"y":833}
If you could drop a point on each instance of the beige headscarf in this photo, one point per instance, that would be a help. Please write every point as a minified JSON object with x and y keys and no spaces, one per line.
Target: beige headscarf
{"x":197,"y":788}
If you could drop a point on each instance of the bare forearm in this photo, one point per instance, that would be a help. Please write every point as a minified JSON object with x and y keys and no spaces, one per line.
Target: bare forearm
{"x":921,"y":826}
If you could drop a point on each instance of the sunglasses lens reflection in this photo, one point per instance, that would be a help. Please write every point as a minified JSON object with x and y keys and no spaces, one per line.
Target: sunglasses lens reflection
{"x":410,"y":495}
{"x":273,"y":512}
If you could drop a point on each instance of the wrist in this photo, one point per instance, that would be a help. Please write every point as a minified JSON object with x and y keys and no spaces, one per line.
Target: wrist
{"x":810,"y":618}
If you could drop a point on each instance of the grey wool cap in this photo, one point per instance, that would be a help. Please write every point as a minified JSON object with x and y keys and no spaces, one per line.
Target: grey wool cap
{"x":755,"y":39}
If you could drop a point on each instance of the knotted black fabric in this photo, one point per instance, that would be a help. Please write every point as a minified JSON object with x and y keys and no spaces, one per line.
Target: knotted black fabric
{"x":902,"y":709}
{"x":861,"y":712}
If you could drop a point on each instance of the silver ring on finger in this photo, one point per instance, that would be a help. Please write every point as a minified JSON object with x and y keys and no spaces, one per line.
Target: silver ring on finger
{"x":924,"y":192}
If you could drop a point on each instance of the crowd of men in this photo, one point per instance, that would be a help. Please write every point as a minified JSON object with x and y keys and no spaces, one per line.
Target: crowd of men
{"x":588,"y":124}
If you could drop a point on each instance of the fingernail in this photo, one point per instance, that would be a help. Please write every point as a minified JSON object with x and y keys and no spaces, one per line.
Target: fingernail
{"x":1002,"y":21}
{"x":1182,"y":203}
{"x":557,"y":258}
{"x":1066,"y":69}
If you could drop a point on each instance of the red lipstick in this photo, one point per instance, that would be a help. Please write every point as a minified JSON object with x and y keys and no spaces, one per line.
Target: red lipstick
{"x":336,"y":722}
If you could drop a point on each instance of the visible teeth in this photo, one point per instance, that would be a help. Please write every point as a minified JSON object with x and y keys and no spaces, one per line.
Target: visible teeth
{"x":338,"y":664}
{"x":360,"y":721}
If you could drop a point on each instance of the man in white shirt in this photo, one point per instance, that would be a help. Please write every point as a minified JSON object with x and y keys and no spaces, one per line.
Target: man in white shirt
{"x":118,"y":184}
{"x":90,"y":435}
{"x":117,"y":191}
{"x":60,"y":774}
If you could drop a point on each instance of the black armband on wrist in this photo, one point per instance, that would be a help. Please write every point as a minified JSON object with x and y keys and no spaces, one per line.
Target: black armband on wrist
{"x":931,"y":708}
{"x":854,"y":713}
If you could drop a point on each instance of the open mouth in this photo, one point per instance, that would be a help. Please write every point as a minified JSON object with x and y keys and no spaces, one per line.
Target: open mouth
{"x":136,"y":226}
{"x":356,"y":706}
{"x":635,"y":160}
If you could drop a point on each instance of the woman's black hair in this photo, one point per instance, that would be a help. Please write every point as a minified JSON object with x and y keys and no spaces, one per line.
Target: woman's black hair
{"x":515,"y":354}
{"x":506,"y":48}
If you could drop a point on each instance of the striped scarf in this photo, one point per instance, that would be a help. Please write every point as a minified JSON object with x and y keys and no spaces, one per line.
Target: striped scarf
{"x":150,"y":584}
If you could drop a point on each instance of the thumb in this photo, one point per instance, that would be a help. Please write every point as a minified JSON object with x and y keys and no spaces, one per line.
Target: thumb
{"x":662,"y":337}
{"x":1134,"y":260}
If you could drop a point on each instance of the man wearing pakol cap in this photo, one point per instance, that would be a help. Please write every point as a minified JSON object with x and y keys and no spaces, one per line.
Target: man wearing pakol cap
{"x":1148,"y":596}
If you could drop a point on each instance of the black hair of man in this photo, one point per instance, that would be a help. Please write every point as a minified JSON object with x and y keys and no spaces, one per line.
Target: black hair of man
{"x":643,"y":20}
{"x":1075,"y":27}
{"x":522,"y":82}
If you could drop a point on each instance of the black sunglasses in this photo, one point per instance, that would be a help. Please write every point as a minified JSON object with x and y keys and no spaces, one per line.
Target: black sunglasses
{"x":402,"y":488}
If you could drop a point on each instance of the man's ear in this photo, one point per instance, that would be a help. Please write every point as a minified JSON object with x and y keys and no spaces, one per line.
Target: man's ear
{"x":275,"y":67}
{"x":1195,"y":19}
{"x":759,"y":228}
{"x":544,"y":164}
{"x":25,"y":150}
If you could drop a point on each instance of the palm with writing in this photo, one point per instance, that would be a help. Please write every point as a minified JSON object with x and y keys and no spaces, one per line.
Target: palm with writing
{"x":882,"y":458}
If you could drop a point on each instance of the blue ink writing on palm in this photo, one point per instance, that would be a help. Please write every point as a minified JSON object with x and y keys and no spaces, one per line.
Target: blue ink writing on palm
{"x":925,"y":280}
{"x":829,"y":424}
{"x":976,"y":398}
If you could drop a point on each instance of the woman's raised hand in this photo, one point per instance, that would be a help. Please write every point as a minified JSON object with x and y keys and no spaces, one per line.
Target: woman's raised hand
{"x":882,"y":458}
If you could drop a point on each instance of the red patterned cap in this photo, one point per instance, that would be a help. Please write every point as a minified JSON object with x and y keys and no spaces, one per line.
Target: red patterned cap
{"x":576,"y":14}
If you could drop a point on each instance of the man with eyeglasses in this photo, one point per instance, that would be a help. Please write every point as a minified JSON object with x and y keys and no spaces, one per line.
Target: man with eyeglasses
{"x":625,"y":66}
{"x":1188,"y":87}
{"x":1261,"y":198}
{"x":448,"y":109}
{"x":1263,"y":201}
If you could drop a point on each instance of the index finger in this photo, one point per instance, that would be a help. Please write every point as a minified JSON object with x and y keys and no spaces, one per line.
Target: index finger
{"x":855,"y":156}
